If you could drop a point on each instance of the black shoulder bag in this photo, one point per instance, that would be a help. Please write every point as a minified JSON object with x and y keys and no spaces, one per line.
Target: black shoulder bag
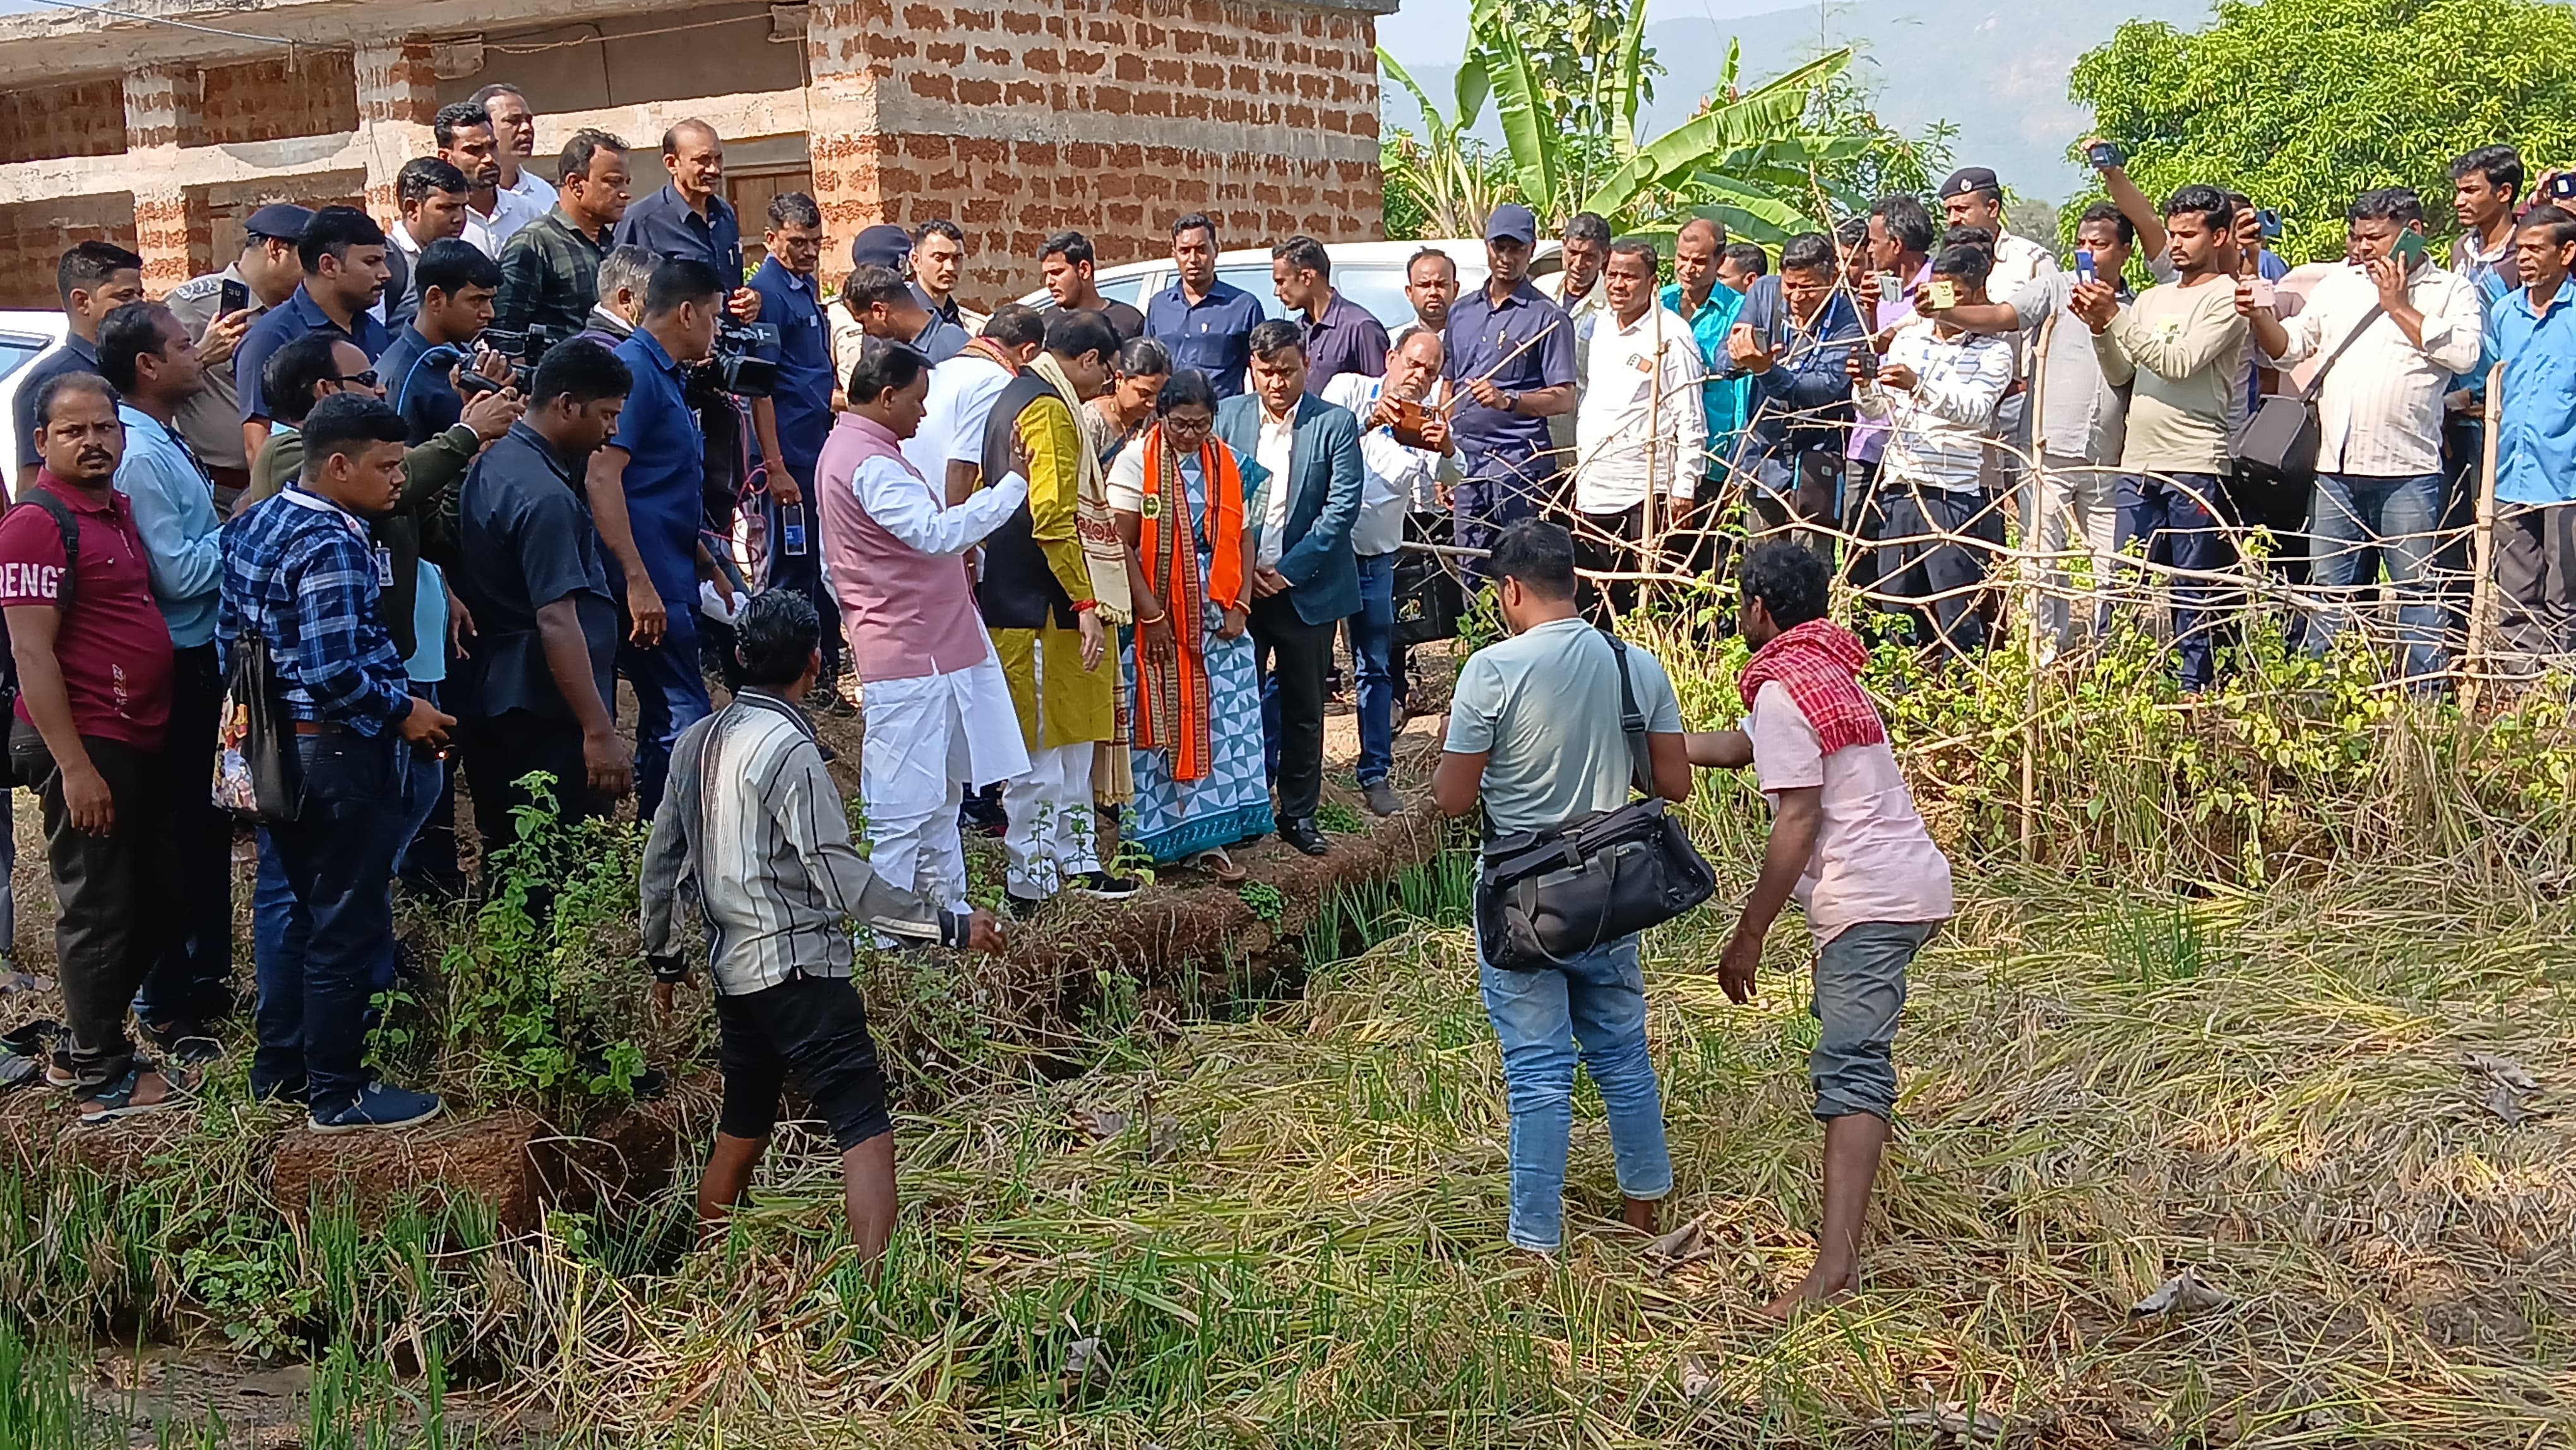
{"x":1546,"y":897}
{"x":268,"y":747}
{"x":2279,"y":449}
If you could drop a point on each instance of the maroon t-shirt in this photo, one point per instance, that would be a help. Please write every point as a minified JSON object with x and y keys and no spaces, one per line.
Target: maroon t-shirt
{"x":114,"y":646}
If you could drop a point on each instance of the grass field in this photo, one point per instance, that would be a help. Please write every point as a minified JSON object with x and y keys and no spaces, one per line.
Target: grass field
{"x":1282,"y":1226}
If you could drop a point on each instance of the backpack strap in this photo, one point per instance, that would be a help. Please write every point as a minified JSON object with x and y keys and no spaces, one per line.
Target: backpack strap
{"x":1632,"y":722}
{"x":70,"y":526}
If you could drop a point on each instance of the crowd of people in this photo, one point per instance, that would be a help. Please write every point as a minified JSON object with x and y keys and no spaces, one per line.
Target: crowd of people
{"x":439,"y":481}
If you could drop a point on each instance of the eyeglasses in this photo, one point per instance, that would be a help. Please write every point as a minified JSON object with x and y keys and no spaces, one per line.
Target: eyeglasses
{"x":365,"y":379}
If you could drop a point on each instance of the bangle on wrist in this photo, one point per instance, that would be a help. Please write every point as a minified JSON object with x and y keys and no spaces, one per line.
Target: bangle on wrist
{"x":1085,"y":606}
{"x":1158,"y":618}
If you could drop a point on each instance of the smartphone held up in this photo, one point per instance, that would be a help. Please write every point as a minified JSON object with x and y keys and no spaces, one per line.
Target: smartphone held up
{"x":2083,"y":264}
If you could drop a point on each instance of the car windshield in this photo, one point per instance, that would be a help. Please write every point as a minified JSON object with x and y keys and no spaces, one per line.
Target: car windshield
{"x":17,"y":349}
{"x":1130,"y":290}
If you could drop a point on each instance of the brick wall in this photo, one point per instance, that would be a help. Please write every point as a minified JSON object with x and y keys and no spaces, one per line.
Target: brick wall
{"x":1109,"y":115}
{"x":81,"y":118}
{"x":33,"y":236}
{"x":301,"y":93}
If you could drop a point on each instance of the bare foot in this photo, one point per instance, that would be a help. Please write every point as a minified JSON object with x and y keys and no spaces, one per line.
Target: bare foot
{"x":1639,"y":1214}
{"x":1818,"y":1288}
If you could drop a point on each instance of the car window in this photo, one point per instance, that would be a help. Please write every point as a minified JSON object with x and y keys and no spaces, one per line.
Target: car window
{"x":18,"y":349}
{"x":1380,"y":289}
{"x":1130,"y":290}
{"x":1255,"y":280}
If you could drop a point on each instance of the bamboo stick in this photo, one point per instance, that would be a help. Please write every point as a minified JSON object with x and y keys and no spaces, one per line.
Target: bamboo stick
{"x":2482,"y":550}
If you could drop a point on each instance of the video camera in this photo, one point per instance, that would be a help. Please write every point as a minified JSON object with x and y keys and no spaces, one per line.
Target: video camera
{"x":523,"y":349}
{"x":736,"y":366}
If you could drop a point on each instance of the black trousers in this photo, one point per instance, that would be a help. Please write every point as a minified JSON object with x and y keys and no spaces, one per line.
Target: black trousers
{"x":499,"y":750}
{"x":115,"y":892}
{"x":190,"y":981}
{"x":1296,"y":655}
{"x":1608,"y":544}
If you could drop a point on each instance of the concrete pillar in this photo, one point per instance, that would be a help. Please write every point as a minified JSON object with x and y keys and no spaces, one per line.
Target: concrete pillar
{"x":170,"y":226}
{"x":841,"y":132}
{"x":397,"y":100}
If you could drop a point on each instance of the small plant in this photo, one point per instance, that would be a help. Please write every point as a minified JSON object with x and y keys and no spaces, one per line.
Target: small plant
{"x":1264,"y":900}
{"x":1337,"y":817}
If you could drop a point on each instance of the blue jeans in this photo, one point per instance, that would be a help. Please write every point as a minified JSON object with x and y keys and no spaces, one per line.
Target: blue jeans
{"x":1495,"y":494}
{"x":1372,"y":643}
{"x":1596,"y":1004}
{"x":2354,"y":525}
{"x":319,"y":958}
{"x":670,"y":696}
{"x":2173,"y":519}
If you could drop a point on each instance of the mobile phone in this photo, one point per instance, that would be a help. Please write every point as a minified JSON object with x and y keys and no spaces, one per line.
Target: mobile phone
{"x":2408,"y":249}
{"x":2561,"y":187}
{"x":1940,"y":294}
{"x":792,"y":537}
{"x":1891,"y":289}
{"x":232,"y":296}
{"x":2083,"y":264}
{"x":2102,"y":156}
{"x":2270,"y":221}
{"x":2264,"y":296}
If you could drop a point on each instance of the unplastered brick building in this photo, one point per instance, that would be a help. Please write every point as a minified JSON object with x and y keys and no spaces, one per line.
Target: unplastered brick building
{"x":163,"y":125}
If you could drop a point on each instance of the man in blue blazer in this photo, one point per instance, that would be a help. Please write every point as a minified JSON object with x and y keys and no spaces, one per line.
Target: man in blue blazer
{"x":1305,"y":580}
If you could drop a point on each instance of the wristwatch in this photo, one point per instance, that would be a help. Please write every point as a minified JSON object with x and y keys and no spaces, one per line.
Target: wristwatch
{"x":1511,"y":402}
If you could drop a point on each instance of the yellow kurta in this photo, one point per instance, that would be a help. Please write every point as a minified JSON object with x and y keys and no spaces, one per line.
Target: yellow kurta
{"x":1059,"y":702}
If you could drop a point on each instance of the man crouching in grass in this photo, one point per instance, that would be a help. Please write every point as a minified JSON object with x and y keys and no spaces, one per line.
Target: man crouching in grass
{"x":1847,"y":842}
{"x":754,"y":826}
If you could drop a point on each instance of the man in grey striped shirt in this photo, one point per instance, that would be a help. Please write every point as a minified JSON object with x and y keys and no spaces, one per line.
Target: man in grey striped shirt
{"x":752,"y":826}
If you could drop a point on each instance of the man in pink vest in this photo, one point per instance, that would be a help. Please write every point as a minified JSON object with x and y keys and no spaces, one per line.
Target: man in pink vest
{"x":938,"y":708}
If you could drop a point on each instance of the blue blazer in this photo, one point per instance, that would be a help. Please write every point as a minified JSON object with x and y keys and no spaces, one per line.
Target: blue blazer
{"x":1324,"y":479}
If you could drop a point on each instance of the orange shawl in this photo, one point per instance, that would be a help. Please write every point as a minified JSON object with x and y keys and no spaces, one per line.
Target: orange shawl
{"x":1172,"y":697}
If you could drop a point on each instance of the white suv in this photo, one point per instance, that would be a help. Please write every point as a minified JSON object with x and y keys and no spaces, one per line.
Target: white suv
{"x":1369,"y":273}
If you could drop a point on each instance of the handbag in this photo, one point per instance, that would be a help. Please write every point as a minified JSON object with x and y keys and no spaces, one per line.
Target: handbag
{"x":2279,"y":447}
{"x":1428,"y":600}
{"x":268,"y":746}
{"x":1545,"y":897}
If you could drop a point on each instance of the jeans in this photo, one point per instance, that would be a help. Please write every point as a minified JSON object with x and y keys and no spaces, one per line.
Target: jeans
{"x":1935,"y":548}
{"x":337,"y":859}
{"x":1596,"y":1004}
{"x":2355,"y":524}
{"x":2177,"y":525}
{"x":191,"y":979}
{"x":1372,"y":647}
{"x":1494,"y":495}
{"x":670,"y":696}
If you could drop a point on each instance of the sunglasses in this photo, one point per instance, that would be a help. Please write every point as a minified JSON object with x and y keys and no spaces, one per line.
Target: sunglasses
{"x":365,"y":379}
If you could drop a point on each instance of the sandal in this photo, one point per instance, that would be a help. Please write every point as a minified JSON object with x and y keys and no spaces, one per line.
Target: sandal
{"x":1218,"y":864}
{"x":119,"y":1101}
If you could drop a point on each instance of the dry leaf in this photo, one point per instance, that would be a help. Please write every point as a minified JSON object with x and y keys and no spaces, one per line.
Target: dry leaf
{"x":1696,"y":1380}
{"x":1679,"y":1242}
{"x":1083,"y":1359}
{"x":2503,"y":1069}
{"x":1162,"y":1137}
{"x":1102,"y":1124}
{"x":1950,"y":1418}
{"x":2501,"y":1102}
{"x":2184,"y":1294}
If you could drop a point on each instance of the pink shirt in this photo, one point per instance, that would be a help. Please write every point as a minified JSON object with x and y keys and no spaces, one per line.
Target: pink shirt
{"x":1873,"y":859}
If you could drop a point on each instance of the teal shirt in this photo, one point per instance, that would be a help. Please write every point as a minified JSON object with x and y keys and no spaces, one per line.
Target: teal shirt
{"x":174,"y":511}
{"x":1724,"y":399}
{"x":1543,"y":708}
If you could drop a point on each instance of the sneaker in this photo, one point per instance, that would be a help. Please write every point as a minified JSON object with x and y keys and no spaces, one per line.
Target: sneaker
{"x":1106,"y":886}
{"x":379,"y":1106}
{"x":1381,"y":799}
{"x":122,"y":1099}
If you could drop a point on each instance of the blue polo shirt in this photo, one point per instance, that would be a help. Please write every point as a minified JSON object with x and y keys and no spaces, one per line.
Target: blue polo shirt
{"x":417,"y":386}
{"x":664,"y":225}
{"x":1213,"y":334}
{"x":804,"y":352}
{"x":298,"y":316}
{"x":2536,"y":434}
{"x":1479,"y":337}
{"x":77,"y":355}
{"x":665,"y":474}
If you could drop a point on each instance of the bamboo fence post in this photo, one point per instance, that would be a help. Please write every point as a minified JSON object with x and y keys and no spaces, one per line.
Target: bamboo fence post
{"x":2033,"y":588}
{"x":2482,"y":602}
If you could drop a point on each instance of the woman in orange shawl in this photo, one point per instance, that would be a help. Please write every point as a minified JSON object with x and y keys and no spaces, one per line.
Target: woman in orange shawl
{"x":1179,"y":496}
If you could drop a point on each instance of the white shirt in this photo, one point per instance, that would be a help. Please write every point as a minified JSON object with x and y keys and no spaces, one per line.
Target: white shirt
{"x":2018,"y":262}
{"x":1276,"y":448}
{"x":905,"y":506}
{"x":962,"y":391}
{"x":1937,"y":432}
{"x":1399,"y":478}
{"x":2379,"y":408}
{"x":1873,"y":860}
{"x":1641,"y":423}
{"x":516,"y":206}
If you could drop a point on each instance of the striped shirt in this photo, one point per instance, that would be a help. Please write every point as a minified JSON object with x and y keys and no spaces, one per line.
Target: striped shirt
{"x":1937,"y":429}
{"x":753,"y":825}
{"x":2379,"y":408}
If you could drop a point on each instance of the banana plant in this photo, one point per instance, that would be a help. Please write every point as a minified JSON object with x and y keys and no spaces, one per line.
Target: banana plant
{"x":1448,"y":170}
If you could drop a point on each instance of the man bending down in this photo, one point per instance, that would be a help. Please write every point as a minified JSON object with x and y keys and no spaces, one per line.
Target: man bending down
{"x":754,"y":824}
{"x":1846,"y":841}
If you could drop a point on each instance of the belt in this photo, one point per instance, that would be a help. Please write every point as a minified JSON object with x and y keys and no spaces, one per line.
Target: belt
{"x":320,"y":727}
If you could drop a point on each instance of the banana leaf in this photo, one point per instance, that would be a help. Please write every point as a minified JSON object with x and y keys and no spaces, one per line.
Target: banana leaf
{"x":1759,"y":117}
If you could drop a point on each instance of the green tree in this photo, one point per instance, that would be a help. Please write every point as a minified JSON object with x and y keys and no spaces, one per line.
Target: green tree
{"x":2304,"y":104}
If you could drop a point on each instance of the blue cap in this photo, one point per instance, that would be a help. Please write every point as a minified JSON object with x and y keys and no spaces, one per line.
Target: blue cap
{"x":1512,"y":222}
{"x":881,"y":246}
{"x":282,"y":221}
